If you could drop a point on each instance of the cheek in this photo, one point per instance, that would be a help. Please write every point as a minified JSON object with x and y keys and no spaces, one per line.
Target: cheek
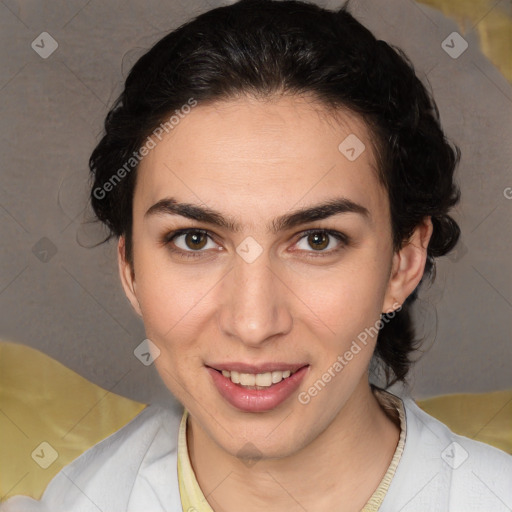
{"x":346,"y":299}
{"x":175,"y":309}
{"x":177,"y":305}
{"x":351,"y":308}
{"x":171,"y":298}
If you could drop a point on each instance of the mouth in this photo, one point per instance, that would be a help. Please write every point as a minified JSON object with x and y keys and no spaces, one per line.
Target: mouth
{"x":257,"y":388}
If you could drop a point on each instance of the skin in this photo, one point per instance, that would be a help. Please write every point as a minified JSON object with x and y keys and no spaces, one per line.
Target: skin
{"x":254,"y":160}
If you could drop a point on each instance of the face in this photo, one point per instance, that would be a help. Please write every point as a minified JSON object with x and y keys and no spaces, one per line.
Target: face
{"x":261,"y":251}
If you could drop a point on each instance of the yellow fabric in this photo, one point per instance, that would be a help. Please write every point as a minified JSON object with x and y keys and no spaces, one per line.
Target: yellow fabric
{"x":492,"y":22}
{"x":485,"y":417}
{"x":391,"y":403}
{"x":43,"y":401}
{"x":192,"y":498}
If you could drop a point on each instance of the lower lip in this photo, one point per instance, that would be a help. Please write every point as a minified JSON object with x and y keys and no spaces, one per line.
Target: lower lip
{"x":257,"y":400}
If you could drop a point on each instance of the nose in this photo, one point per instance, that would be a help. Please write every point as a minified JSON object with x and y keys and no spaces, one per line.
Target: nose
{"x":254,"y":305}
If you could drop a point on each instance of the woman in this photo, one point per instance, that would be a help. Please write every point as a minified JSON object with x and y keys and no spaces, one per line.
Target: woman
{"x":279,"y":185}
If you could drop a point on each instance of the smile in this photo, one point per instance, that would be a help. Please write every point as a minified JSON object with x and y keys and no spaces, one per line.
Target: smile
{"x":257,"y":389}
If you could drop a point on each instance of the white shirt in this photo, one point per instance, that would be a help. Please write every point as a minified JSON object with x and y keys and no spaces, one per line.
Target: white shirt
{"x":135,"y":470}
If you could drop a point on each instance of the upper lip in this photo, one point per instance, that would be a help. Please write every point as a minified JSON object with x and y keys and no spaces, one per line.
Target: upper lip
{"x":257,"y":368}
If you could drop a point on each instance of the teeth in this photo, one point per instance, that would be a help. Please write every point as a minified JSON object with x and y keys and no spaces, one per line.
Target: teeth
{"x":277,"y":376}
{"x":247,"y":379}
{"x":263,"y":380}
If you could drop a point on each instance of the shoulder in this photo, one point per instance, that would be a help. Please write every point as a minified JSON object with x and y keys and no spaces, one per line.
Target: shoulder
{"x":440,"y":470}
{"x":105,"y":475}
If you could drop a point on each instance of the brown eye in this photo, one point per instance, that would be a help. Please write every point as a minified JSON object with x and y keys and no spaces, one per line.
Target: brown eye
{"x":190,"y":244}
{"x":322,"y":242}
{"x":196,"y":240}
{"x":318,"y":240}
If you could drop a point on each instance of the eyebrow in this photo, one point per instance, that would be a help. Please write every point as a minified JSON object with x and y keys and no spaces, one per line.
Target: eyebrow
{"x":170,"y":206}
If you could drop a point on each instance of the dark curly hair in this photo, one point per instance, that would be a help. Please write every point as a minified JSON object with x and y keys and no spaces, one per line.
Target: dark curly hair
{"x":266,"y":47}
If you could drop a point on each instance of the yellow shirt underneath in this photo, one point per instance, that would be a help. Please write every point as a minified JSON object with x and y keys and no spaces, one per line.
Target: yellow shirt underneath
{"x":193,"y":500}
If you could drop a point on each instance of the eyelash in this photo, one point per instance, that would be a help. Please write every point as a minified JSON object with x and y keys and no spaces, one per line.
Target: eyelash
{"x":170,"y":237}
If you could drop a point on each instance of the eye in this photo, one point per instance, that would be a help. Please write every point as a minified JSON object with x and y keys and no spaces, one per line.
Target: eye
{"x":194,"y":243}
{"x":322,"y":241}
{"x":186,"y":242}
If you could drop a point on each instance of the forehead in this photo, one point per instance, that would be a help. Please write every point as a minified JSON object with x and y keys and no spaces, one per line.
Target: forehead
{"x":248,"y":152}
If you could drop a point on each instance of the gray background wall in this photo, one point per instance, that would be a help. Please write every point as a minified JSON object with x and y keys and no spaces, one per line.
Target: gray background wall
{"x":64,"y":298}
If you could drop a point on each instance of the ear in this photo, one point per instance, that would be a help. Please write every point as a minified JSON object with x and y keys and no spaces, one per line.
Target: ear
{"x":408,"y":266}
{"x":127,"y":276}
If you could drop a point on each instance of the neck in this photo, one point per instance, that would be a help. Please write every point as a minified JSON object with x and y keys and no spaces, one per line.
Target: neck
{"x":339,"y":470}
